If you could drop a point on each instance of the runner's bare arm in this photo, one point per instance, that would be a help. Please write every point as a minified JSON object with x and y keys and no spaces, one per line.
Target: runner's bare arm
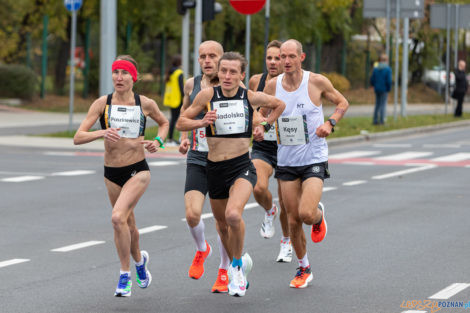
{"x":157,"y":115}
{"x":332,"y":95}
{"x":261,"y":99}
{"x":188,"y":89}
{"x":83,"y":135}
{"x":186,"y":121}
{"x":254,"y":82}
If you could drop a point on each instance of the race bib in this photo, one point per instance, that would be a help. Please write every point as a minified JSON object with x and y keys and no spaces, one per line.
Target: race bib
{"x":200,"y":140}
{"x":270,"y":135}
{"x":232,"y":117}
{"x":127,"y":118}
{"x":292,"y":130}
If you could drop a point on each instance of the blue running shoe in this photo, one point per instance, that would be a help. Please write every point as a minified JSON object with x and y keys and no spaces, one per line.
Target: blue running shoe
{"x":124,"y":286}
{"x":143,"y":277}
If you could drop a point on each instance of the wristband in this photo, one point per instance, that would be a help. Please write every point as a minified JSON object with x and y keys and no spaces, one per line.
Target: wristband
{"x":160,"y":141}
{"x":266,"y":126}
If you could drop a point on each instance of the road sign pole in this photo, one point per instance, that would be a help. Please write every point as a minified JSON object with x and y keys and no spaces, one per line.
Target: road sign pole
{"x":404,"y":73}
{"x":456,"y":36}
{"x":266,"y":31}
{"x":447,"y":55}
{"x":387,"y":35}
{"x":397,"y":57}
{"x":72,"y":66}
{"x":108,"y":35}
{"x":247,"y":48}
{"x":185,"y":44}
{"x":197,"y":37}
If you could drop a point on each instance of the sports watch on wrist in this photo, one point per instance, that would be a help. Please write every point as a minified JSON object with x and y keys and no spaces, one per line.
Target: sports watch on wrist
{"x":333,"y":123}
{"x":266,"y":126}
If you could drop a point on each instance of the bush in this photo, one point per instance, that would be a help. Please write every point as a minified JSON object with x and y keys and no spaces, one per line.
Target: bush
{"x":340,"y":82}
{"x":17,"y":81}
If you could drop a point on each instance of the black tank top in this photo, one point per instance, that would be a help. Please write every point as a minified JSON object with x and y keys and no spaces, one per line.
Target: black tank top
{"x":104,"y":118}
{"x":265,"y":145}
{"x":241,"y":95}
{"x":195,"y":156}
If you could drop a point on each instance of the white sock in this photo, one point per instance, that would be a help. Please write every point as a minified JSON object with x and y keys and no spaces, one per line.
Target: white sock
{"x":304,"y":261}
{"x":198,"y":234}
{"x":141,"y":261}
{"x":224,"y":259}
{"x":285,"y":239}
{"x":125,"y":272}
{"x":271,"y":211}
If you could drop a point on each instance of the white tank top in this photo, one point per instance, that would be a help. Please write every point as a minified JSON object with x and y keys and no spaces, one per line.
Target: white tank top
{"x":298,"y":104}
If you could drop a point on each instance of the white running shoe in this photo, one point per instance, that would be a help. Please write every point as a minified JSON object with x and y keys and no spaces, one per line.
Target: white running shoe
{"x":237,"y":284}
{"x":285,"y":254}
{"x":247,"y":265}
{"x":267,"y":228}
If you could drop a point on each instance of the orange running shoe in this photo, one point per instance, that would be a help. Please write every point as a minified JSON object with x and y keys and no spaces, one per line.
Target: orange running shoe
{"x":319,"y":230}
{"x":302,"y":278}
{"x":221,"y":284}
{"x":197,"y":267}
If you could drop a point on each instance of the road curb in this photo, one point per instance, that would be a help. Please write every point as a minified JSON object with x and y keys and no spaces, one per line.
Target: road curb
{"x":395,"y":133}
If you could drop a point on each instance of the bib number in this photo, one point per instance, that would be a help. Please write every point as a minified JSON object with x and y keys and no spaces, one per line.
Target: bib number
{"x":200,"y":140}
{"x":232,"y":117}
{"x":127,"y":118}
{"x":292,"y":130}
{"x":270,"y":135}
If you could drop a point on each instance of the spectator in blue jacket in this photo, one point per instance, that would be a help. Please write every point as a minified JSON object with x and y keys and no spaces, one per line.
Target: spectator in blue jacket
{"x":381,"y":79}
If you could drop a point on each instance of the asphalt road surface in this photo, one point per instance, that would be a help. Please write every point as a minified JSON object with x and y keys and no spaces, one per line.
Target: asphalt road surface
{"x":398,"y":229}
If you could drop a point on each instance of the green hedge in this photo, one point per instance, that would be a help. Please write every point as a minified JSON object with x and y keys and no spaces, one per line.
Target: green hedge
{"x":17,"y":81}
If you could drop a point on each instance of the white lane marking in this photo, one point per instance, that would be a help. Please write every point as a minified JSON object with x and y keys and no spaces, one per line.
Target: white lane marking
{"x":13,"y":262}
{"x":413,"y":311}
{"x":251,"y":205}
{"x":456,"y":157}
{"x":404,"y":172}
{"x":442,"y":146}
{"x":354,"y":183}
{"x":359,"y":163}
{"x":59,"y":153}
{"x":150,"y":229}
{"x":393,"y":145}
{"x":20,"y":179}
{"x":78,"y":246}
{"x":450,"y":291}
{"x":73,"y":173}
{"x":163,"y":163}
{"x":325,"y":189}
{"x":352,"y":154}
{"x":405,"y":156}
{"x":468,"y":166}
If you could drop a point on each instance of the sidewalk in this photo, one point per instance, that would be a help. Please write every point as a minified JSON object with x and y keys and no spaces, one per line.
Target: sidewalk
{"x":16,"y":124}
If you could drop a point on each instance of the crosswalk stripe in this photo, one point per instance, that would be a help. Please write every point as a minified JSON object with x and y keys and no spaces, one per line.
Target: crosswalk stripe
{"x":354,"y":183}
{"x":150,"y":229}
{"x":456,"y":157}
{"x":352,"y":154}
{"x":404,"y":172}
{"x":405,"y":156}
{"x":78,"y":246}
{"x":20,"y":179}
{"x":392,"y":145}
{"x":73,"y":173}
{"x":450,"y":291}
{"x":13,"y":262}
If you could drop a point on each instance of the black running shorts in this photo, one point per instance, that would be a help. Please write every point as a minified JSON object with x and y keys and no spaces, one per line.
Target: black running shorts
{"x":290,"y":173}
{"x":196,"y":178}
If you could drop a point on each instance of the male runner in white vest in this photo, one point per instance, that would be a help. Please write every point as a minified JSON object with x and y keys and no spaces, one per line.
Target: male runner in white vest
{"x":302,"y":151}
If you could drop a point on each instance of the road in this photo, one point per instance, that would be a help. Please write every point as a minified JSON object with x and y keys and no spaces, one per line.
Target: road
{"x":397,"y":213}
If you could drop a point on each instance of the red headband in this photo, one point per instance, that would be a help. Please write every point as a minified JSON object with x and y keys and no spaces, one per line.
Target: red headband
{"x":127,"y":66}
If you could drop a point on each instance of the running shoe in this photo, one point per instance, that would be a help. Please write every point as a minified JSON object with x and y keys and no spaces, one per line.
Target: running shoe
{"x":247,"y":265}
{"x":285,"y":254}
{"x":221,"y":283}
{"x":267,"y":228}
{"x":143,"y":276}
{"x":124,"y":286}
{"x":196,"y":270}
{"x":319,"y":230}
{"x":302,"y":278}
{"x":237,"y":285}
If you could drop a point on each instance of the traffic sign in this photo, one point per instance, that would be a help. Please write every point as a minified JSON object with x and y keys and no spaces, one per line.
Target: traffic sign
{"x":247,"y":7}
{"x":73,"y":5}
{"x":439,"y":16}
{"x":408,"y":8}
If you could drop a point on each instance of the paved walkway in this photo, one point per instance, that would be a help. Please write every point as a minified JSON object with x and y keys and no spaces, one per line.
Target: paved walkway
{"x":16,"y":124}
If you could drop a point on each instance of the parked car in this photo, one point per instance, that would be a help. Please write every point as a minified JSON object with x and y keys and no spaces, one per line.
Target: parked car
{"x":436,"y":78}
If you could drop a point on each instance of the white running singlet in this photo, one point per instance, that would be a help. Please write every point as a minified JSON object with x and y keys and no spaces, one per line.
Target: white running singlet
{"x":298,"y":104}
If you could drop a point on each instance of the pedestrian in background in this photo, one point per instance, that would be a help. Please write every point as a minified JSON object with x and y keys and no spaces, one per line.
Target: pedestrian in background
{"x":461,"y":87}
{"x":174,"y":92}
{"x":381,"y":79}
